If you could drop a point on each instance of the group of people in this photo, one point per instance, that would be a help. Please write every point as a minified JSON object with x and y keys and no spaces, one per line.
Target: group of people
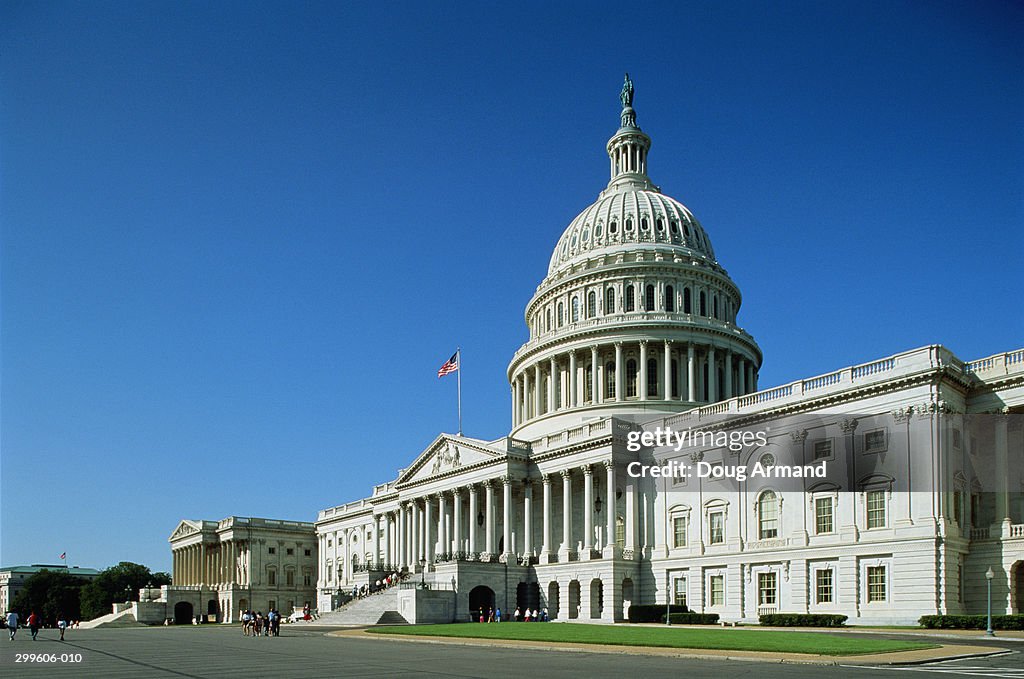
{"x":258,"y":625}
{"x":526,"y":615}
{"x":390,"y":580}
{"x":34,"y":623}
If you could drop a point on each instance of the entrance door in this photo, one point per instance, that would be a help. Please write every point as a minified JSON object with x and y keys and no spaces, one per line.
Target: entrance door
{"x":183,"y":613}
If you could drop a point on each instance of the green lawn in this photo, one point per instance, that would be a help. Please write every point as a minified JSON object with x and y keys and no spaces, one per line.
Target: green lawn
{"x":668,"y":637}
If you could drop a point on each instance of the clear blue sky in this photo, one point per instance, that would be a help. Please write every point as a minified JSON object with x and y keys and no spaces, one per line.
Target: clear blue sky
{"x":238,"y":239}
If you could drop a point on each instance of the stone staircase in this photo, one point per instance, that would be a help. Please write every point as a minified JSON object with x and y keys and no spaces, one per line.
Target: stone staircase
{"x":376,"y":609}
{"x":125,"y":618}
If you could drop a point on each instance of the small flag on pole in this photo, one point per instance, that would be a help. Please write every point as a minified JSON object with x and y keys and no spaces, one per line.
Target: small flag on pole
{"x":63,"y":555}
{"x":450,"y":366}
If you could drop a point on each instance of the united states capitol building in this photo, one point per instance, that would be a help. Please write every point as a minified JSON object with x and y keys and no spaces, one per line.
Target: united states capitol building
{"x":636,"y":328}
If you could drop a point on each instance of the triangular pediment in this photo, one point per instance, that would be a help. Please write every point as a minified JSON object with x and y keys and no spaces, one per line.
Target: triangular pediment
{"x":449,"y":454}
{"x":185,"y":528}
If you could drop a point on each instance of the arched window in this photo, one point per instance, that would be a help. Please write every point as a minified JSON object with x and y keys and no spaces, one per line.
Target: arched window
{"x":659,"y":224}
{"x":715,"y":303}
{"x":630,"y":298}
{"x":703,"y":304}
{"x":670,"y":299}
{"x":629,"y":225}
{"x":609,"y":379}
{"x":649,"y":298}
{"x":575,"y":309}
{"x":588,"y":384}
{"x":643,"y":223}
{"x":652,"y":378}
{"x":547,"y":317}
{"x":561,"y":314}
{"x":591,"y":304}
{"x":613,"y":227}
{"x":767,"y":516}
{"x":609,"y":301}
{"x":631,"y":378}
{"x":675,"y":228}
{"x":687,"y":302}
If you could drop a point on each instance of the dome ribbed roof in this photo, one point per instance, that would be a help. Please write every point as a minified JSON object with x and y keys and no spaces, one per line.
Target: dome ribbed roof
{"x":624,"y":219}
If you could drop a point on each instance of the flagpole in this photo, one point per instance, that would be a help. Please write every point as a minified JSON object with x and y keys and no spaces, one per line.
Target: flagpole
{"x":458,"y":352}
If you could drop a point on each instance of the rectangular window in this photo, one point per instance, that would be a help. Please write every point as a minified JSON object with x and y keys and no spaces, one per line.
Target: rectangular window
{"x":309,"y":552}
{"x":290,"y":551}
{"x":874,"y":441}
{"x":271,"y":578}
{"x":716,"y":590}
{"x":289,"y":578}
{"x":958,"y":501}
{"x":679,"y":592}
{"x":823,"y":511}
{"x":679,"y":528}
{"x":716,"y":528}
{"x":328,"y":544}
{"x":272,"y":550}
{"x":876,"y":583}
{"x":767,"y":595}
{"x":975,"y":509}
{"x":307,"y":579}
{"x":273,"y":603}
{"x":822,"y":449}
{"x":823,"y":586}
{"x":876,"y":508}
{"x":956,"y":438}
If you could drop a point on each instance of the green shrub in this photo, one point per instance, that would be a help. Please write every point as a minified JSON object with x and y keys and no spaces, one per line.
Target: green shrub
{"x":1004,"y":622}
{"x":692,"y":618}
{"x":652,"y":612}
{"x":802,"y":620}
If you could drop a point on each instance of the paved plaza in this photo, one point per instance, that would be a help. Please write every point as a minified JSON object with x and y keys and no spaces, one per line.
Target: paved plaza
{"x":307,"y":651}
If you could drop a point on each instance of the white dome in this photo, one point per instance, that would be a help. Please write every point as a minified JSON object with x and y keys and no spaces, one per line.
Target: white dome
{"x":626,"y":218}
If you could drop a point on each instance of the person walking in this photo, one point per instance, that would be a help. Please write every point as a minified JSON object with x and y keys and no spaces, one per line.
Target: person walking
{"x":33,"y":624}
{"x":62,"y":624}
{"x":12,"y":623}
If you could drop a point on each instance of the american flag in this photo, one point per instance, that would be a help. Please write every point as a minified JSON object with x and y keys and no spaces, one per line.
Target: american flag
{"x":63,"y":554}
{"x":450,"y":366}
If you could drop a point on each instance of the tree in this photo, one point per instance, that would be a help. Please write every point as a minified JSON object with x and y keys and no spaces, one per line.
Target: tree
{"x":50,"y":594}
{"x":118,"y":583}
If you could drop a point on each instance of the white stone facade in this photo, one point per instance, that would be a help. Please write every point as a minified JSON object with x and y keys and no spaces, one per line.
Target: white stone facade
{"x":221,"y":568}
{"x":635,"y":325}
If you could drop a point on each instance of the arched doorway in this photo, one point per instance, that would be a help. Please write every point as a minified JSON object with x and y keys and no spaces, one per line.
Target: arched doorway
{"x":596,"y":599}
{"x":552,"y":600}
{"x":212,"y":609}
{"x":574,"y":599}
{"x":183,"y":613}
{"x":527,"y":596}
{"x":243,"y":606}
{"x":627,"y":598}
{"x":481,"y":596}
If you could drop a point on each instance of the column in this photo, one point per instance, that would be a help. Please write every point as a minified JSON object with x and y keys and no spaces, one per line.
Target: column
{"x":538,"y":386}
{"x":428,"y":530}
{"x":712,"y":376}
{"x":506,"y":498}
{"x":567,"y":545}
{"x":416,"y":552}
{"x":552,"y":371}
{"x":442,"y":523}
{"x":527,"y":518}
{"x":572,"y":379}
{"x":741,"y":371}
{"x":691,"y":372}
{"x":728,"y":374}
{"x":593,"y":376}
{"x":618,"y":372}
{"x":545,"y":549}
{"x":517,"y":391}
{"x":457,"y":520}
{"x":526,"y":395}
{"x":609,"y":467}
{"x":588,"y":509}
{"x":489,"y":517}
{"x":668,"y":371}
{"x":642,"y":387}
{"x":472,"y":518}
{"x":402,"y":554}
{"x":631,"y":513}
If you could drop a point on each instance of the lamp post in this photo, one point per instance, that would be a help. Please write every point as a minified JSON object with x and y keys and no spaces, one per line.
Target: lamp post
{"x":988,"y":577}
{"x":423,"y":573}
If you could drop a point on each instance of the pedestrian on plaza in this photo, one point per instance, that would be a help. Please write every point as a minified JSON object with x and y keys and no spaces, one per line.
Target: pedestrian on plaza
{"x":33,"y":624}
{"x":62,"y":624}
{"x":497,"y":615}
{"x":12,"y":623}
{"x":527,"y":615}
{"x":481,"y":614}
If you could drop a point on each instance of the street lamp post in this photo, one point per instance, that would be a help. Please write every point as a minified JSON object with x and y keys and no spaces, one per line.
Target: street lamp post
{"x":988,"y":577}
{"x":423,"y":573}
